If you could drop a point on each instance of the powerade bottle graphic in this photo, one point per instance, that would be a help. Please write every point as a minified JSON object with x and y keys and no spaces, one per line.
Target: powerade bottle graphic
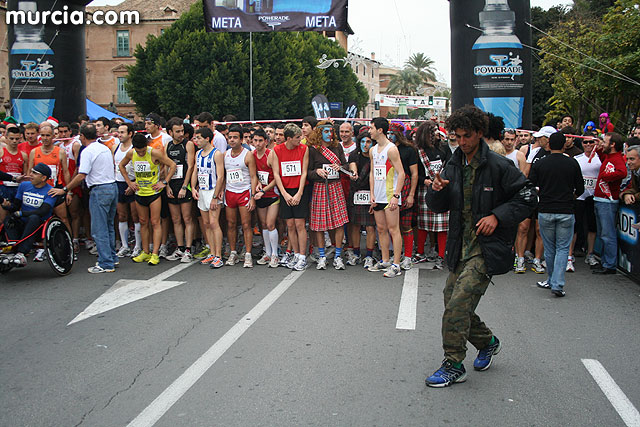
{"x":498,"y":73}
{"x":31,"y":71}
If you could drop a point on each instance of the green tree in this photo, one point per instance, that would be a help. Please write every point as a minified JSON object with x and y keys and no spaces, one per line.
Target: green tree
{"x":423,"y":65}
{"x":406,"y":82}
{"x":187,"y":70}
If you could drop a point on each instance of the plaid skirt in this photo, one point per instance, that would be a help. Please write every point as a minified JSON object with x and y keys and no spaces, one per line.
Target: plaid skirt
{"x":328,"y":213}
{"x":427,"y":219}
{"x":359,"y":215}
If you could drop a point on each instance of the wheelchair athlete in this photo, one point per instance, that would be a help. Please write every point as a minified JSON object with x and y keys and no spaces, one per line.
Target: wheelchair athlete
{"x":30,"y":208}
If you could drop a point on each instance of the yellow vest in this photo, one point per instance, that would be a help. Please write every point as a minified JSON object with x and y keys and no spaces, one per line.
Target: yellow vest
{"x":147,"y":173}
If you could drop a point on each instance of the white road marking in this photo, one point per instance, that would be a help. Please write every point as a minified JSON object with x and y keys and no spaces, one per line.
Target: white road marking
{"x":184,"y":382}
{"x":125,"y":291}
{"x":408,"y":301}
{"x":616,"y":396}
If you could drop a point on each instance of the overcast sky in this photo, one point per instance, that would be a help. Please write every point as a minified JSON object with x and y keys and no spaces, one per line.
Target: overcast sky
{"x":395,"y":29}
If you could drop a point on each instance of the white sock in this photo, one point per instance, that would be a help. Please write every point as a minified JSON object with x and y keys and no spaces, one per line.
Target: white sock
{"x":136,"y":228}
{"x":267,"y":242}
{"x":123,"y":227}
{"x":273,"y":236}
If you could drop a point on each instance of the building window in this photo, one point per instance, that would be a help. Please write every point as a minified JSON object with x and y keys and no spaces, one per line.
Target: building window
{"x":123,"y":96}
{"x":356,"y":69}
{"x":122,"y":43}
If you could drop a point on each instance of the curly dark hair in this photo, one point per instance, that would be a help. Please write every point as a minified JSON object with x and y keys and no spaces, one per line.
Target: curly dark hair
{"x":425,"y":135}
{"x":468,"y":117}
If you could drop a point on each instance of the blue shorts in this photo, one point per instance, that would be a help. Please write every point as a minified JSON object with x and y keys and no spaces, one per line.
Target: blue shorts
{"x":8,"y":193}
{"x":124,"y":198}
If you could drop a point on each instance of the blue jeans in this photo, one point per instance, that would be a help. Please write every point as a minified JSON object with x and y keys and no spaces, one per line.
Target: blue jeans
{"x":606,"y":222}
{"x":557,"y":232}
{"x":102,"y":206}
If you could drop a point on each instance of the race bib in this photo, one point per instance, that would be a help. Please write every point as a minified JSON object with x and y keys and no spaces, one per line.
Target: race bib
{"x":362,"y":197}
{"x":179,"y":172}
{"x":435,"y":166}
{"x":263,"y":177}
{"x":141,"y":167}
{"x":203,"y":181}
{"x":234,"y":176}
{"x":32,"y":199}
{"x":590,"y":182}
{"x":331,"y":173}
{"x":291,"y":168}
{"x":379,"y":173}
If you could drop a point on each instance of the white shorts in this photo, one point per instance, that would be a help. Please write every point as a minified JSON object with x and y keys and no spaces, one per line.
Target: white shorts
{"x":204,"y":199}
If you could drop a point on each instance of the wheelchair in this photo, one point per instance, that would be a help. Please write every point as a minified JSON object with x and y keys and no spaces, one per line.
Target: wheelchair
{"x":52,"y":236}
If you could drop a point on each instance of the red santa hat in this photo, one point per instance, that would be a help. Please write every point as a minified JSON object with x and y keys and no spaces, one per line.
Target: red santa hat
{"x":53,"y":121}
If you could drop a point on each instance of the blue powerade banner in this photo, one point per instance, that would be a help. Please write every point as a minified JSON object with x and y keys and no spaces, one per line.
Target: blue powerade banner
{"x":490,"y":63}
{"x":275,"y":15}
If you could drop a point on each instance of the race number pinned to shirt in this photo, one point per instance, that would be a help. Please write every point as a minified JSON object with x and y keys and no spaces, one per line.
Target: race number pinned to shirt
{"x":435,"y":167}
{"x":379,"y":173}
{"x":141,"y":167}
{"x":203,"y":181}
{"x":331,"y":173}
{"x":54,"y":173}
{"x":362,"y":197}
{"x":179,"y":174}
{"x":263,"y":177}
{"x":292,"y":168}
{"x":235,"y":176}
{"x":33,"y":200}
{"x":590,"y":182}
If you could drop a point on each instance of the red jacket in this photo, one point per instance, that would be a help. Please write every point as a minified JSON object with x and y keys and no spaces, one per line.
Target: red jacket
{"x":612,"y":172}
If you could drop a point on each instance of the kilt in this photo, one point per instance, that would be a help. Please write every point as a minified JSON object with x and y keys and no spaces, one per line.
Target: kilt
{"x":328,"y":213}
{"x":406,"y":215}
{"x":427,"y":219}
{"x":359,"y":215}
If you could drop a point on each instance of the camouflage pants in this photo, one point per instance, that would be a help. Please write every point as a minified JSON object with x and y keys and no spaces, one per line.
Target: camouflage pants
{"x":465,"y":286}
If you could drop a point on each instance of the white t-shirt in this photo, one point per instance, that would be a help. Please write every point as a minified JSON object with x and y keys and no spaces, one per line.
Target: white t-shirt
{"x":219,"y":141}
{"x":532,"y":154}
{"x":96,"y":161}
{"x":589,"y":173}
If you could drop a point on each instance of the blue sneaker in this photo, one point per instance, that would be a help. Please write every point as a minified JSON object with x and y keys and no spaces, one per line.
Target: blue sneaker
{"x":447,"y":375}
{"x":485,"y":355}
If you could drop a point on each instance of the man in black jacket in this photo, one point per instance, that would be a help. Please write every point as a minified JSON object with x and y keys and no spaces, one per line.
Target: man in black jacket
{"x":487,"y":197}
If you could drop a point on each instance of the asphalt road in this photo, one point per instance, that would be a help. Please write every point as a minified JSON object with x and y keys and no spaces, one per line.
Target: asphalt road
{"x":263,"y":347}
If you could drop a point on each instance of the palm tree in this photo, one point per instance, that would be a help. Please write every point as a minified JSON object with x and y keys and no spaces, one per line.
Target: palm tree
{"x":406,"y":82}
{"x":423,"y":65}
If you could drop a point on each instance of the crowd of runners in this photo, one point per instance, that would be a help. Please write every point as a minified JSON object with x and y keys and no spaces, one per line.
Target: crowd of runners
{"x":353,"y":193}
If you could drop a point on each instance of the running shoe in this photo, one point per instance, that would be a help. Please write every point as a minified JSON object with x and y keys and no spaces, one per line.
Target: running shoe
{"x":485,"y":355}
{"x":301,"y":265}
{"x":368,"y":262}
{"x":380,"y":266}
{"x":175,"y":256}
{"x":537,"y":266}
{"x":216,"y":262}
{"x":233,"y":258}
{"x":393,"y":271}
{"x":293,"y":261}
{"x":352,"y":258}
{"x":248,"y":261}
{"x":558,"y":292}
{"x":338,"y":263}
{"x":544,"y":284}
{"x":96,"y":269}
{"x":438,"y":264}
{"x":154,"y":260}
{"x":19,"y":259}
{"x":322,"y":263}
{"x":40,"y":256}
{"x":264,"y":260}
{"x":163,"y":252}
{"x":447,"y":375}
{"x":418,"y":258}
{"x":406,"y":263}
{"x":570,"y":266}
{"x":528,"y":257}
{"x":284,"y":261}
{"x":186,"y":257}
{"x":136,"y":251}
{"x":124,"y":251}
{"x":142,"y":257}
{"x":204,"y":253}
{"x":520,"y":267}
{"x":274,"y":263}
{"x":208,"y":260}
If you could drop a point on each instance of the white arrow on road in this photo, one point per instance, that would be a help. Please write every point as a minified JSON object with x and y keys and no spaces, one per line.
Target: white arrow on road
{"x":125,"y":291}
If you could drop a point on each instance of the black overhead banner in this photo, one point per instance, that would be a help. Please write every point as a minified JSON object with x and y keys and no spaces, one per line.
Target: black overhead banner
{"x":490,"y":64}
{"x":275,"y":15}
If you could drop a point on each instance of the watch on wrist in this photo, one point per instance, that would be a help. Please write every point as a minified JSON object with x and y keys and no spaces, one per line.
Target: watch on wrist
{"x":184,"y":187}
{"x":164,"y":181}
{"x":397,"y":196}
{"x":65,"y":189}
